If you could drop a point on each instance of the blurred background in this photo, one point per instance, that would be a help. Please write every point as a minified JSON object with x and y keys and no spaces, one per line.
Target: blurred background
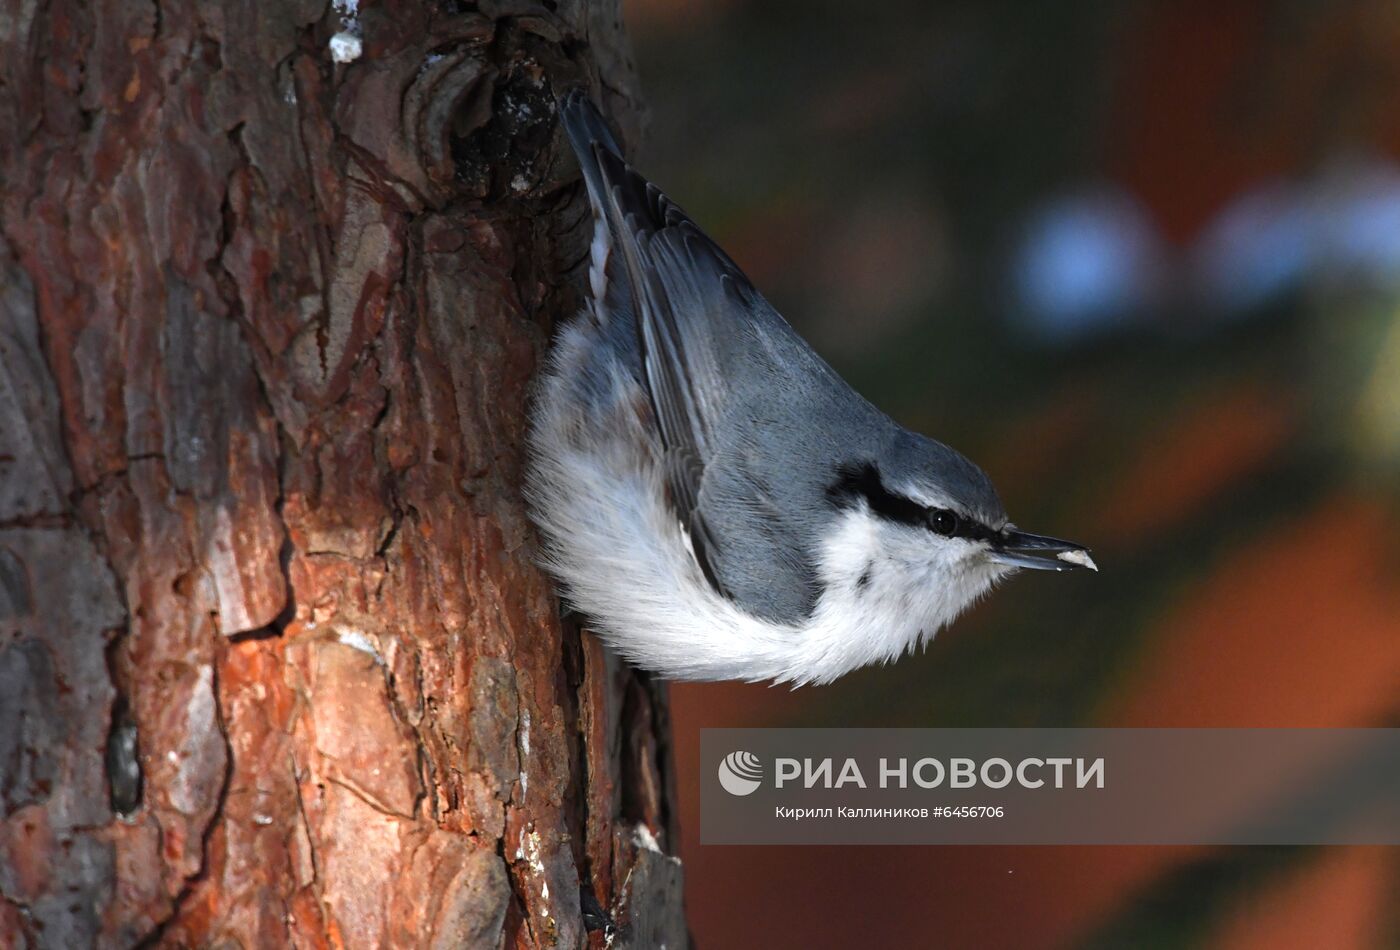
{"x":1141,"y":260}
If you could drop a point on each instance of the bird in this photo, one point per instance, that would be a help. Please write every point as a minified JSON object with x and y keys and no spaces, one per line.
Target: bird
{"x":709,"y":495}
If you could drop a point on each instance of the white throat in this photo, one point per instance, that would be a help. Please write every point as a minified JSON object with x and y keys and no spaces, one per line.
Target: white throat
{"x":888,"y":589}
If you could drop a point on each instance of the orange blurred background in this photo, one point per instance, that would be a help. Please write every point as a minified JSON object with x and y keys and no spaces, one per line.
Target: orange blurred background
{"x":1141,"y":260}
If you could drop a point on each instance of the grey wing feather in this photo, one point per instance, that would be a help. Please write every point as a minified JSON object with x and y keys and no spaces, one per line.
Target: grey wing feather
{"x":690,"y":303}
{"x":678,"y":366}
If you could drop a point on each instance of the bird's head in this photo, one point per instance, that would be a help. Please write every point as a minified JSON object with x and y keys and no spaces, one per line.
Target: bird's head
{"x":922,"y":525}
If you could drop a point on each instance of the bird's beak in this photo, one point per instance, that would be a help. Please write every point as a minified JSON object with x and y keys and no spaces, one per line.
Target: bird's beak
{"x":1019,"y":549}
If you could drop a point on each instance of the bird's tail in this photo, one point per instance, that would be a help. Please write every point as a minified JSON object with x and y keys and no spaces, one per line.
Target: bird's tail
{"x":587,"y":131}
{"x":591,"y":140}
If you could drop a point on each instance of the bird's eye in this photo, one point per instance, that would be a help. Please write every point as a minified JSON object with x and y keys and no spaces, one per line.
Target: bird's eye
{"x":944,"y":522}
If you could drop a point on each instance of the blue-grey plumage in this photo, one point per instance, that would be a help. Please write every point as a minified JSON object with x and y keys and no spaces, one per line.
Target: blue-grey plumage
{"x":683,"y":385}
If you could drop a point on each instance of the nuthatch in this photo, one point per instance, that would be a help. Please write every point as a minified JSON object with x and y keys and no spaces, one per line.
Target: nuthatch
{"x":711,"y":495}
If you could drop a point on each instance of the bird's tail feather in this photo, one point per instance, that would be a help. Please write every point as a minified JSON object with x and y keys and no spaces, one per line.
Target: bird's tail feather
{"x":584,"y":125}
{"x":590,"y":137}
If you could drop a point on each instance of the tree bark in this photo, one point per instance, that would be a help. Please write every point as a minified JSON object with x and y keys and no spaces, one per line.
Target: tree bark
{"x":275,"y":665}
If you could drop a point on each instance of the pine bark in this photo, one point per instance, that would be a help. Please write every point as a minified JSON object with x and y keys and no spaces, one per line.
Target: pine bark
{"x":276,"y":667}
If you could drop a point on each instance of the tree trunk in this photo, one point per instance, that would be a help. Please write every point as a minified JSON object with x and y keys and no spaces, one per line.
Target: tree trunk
{"x":275,"y":665}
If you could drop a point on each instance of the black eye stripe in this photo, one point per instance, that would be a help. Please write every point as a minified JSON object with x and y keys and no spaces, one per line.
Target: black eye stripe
{"x":862,"y":481}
